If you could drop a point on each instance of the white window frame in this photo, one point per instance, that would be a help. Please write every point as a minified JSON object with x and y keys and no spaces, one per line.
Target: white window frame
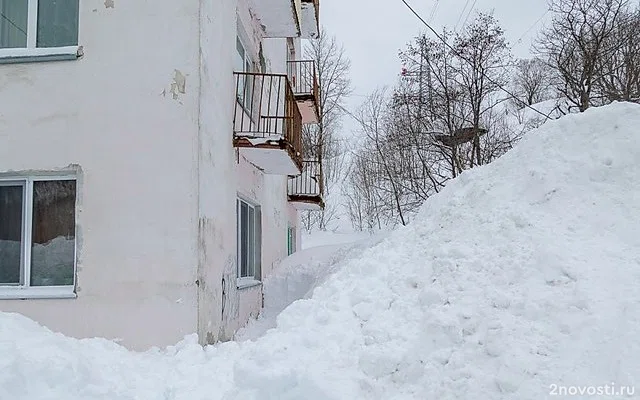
{"x":24,"y":290}
{"x":32,"y":35}
{"x":254,"y":278}
{"x":247,"y":80}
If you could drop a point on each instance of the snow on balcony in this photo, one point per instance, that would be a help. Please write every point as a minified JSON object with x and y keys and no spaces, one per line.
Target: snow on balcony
{"x":267,"y":124}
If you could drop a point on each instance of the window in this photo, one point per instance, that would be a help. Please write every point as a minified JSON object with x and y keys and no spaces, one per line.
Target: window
{"x":249,"y":241}
{"x":38,"y":27}
{"x":37,"y":237}
{"x":291,"y":240}
{"x":245,"y":83}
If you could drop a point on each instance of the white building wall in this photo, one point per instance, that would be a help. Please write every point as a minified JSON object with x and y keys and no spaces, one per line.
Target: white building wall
{"x":267,"y":191}
{"x":158,"y":174}
{"x":119,"y":114}
{"x":217,"y":188}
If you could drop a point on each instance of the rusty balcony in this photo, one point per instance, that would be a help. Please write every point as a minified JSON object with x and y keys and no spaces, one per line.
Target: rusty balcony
{"x":306,"y":191}
{"x":304,"y":81}
{"x":267,"y":124}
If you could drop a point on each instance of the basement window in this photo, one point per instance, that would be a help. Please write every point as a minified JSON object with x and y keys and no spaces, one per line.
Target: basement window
{"x":249,"y":229}
{"x":37,"y":237}
{"x":36,"y":30}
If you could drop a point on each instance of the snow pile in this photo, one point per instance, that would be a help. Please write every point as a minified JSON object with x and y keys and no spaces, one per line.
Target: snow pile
{"x":518,"y":276}
{"x":300,"y":273}
{"x":531,"y":117}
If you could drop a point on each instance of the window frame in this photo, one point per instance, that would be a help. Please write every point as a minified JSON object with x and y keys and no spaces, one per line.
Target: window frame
{"x":245,"y":98}
{"x":292,"y":239}
{"x":23,"y":290}
{"x":34,"y":52}
{"x":253,"y":278}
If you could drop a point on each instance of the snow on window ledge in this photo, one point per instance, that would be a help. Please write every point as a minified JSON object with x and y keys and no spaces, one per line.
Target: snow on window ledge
{"x":246,"y":283}
{"x":41,"y":54}
{"x":23,"y":293}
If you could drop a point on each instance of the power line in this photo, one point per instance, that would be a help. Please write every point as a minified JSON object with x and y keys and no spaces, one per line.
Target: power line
{"x":469,"y":13}
{"x":470,"y":63}
{"x":461,"y":14}
{"x":434,"y":10}
{"x":533,"y":26}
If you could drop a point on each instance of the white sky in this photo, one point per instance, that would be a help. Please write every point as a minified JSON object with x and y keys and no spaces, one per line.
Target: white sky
{"x":373,"y":31}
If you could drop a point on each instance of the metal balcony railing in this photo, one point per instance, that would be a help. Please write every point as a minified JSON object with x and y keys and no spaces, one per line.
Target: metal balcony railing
{"x":266,"y":113}
{"x":303,"y":78}
{"x":310,"y":183}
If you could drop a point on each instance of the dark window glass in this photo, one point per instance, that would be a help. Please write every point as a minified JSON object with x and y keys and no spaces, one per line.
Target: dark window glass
{"x":53,"y":236}
{"x":252,"y":243}
{"x":57,"y":23}
{"x":11,"y":204}
{"x":244,"y":240}
{"x":13,"y":23}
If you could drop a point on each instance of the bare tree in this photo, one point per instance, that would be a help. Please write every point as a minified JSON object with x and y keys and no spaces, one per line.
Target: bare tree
{"x":484,"y":53}
{"x":322,"y":140}
{"x":431,"y":98}
{"x":621,"y":71}
{"x":575,"y":45}
{"x":532,"y":82}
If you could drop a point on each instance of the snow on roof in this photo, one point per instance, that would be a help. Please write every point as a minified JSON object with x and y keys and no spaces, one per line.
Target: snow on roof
{"x":518,"y":276}
{"x":309,"y":21}
{"x":279,"y":18}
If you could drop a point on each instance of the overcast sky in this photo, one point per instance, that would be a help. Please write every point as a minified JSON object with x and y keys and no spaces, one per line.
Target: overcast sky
{"x":373,"y":31}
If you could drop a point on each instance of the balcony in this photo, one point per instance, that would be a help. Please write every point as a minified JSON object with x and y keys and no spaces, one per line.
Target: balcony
{"x":267,"y":124}
{"x":306,"y":191}
{"x":310,"y":27}
{"x":304,"y":82}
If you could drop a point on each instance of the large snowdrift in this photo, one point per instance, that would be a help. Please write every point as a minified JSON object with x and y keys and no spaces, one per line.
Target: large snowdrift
{"x":297,"y":276}
{"x":518,"y":276}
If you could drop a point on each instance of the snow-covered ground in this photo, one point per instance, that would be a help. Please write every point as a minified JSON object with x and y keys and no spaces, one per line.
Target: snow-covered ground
{"x":519,"y":276}
{"x":297,"y":276}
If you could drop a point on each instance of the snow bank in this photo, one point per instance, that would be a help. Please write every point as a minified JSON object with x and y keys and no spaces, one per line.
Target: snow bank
{"x":518,"y":276}
{"x":300,"y":273}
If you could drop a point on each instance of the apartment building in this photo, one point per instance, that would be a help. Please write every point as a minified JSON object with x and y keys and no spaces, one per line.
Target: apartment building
{"x":151,"y":161}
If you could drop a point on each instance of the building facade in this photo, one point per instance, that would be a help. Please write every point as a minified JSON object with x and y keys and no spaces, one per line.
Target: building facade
{"x":151,"y":162}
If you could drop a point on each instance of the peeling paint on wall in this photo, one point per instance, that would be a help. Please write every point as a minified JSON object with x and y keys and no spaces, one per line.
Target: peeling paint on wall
{"x":109,"y":4}
{"x":179,"y":84}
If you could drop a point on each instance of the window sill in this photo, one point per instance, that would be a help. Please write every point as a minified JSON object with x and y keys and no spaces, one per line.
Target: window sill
{"x":23,"y":293}
{"x":246,"y":283}
{"x":12,"y":56}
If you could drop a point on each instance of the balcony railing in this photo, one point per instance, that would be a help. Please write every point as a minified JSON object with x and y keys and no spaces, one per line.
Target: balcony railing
{"x":307,"y":189}
{"x":304,"y":81}
{"x":266,"y":116}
